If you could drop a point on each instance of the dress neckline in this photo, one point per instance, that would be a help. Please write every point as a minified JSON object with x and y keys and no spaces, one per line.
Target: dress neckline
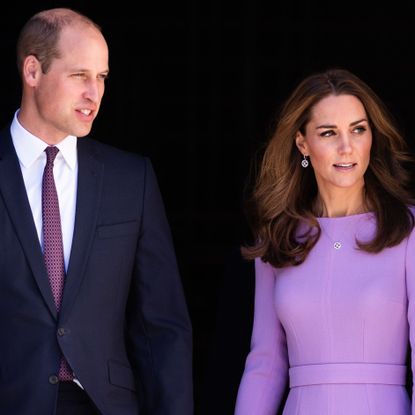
{"x":344,"y":218}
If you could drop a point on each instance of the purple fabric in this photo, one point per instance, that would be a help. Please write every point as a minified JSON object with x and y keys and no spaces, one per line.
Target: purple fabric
{"x":52,"y":241}
{"x":335,"y":327}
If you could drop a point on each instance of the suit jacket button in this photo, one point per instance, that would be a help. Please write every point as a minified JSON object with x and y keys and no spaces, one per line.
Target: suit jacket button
{"x":53,"y":379}
{"x":62,"y":331}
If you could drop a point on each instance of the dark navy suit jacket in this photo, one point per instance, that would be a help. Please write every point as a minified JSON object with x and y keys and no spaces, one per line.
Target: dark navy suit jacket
{"x":123,"y":326}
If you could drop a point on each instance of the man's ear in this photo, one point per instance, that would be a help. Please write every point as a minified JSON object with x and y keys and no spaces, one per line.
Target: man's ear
{"x":31,"y":70}
{"x":301,"y":144}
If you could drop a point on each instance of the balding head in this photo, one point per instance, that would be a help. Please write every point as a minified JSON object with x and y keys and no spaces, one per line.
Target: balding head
{"x":40,"y":35}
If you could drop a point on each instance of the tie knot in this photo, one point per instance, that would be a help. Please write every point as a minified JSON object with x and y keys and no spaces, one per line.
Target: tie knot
{"x":51,"y":152}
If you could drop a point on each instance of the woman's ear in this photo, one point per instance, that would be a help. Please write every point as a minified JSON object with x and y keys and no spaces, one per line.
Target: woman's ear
{"x":301,"y":144}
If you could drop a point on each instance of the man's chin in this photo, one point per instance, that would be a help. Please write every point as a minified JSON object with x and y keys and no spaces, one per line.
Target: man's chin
{"x":82,"y":132}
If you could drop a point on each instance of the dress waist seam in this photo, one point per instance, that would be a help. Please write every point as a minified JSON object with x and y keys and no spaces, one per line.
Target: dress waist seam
{"x":332,"y":373}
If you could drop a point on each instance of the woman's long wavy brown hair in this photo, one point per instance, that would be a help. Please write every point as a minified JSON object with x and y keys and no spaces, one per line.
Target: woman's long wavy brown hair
{"x":284,"y":192}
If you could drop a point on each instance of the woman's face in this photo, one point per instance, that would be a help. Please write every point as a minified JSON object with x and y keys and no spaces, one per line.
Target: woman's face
{"x":337,"y":139}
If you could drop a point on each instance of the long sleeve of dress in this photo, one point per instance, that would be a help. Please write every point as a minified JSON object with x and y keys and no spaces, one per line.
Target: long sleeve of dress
{"x":410,"y":284}
{"x":266,"y":370}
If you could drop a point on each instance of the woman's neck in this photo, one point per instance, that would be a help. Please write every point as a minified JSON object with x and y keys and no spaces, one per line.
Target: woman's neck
{"x":340,"y":205}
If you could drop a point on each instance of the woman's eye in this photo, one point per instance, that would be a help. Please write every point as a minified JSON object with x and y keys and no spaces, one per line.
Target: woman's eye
{"x":327,"y":133}
{"x":359,"y":130}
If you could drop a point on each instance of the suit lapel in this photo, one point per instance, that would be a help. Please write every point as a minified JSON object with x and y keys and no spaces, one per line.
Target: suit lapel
{"x":13,"y":191}
{"x":90,"y":174}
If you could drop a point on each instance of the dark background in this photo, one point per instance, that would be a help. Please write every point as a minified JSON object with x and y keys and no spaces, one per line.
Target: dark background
{"x":195,"y":86}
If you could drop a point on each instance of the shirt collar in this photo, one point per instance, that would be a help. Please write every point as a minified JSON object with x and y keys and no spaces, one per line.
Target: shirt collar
{"x":29,"y":147}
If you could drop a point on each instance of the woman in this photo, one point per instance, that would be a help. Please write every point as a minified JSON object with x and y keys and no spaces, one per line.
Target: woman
{"x":334,"y":258}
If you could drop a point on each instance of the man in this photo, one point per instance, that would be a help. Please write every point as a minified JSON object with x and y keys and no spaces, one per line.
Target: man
{"x":117,"y":341}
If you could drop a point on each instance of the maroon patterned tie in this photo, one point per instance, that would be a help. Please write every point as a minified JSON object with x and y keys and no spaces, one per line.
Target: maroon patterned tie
{"x":52,"y":242}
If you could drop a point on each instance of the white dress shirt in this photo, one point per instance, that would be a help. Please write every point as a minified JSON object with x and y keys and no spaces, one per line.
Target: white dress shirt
{"x":32,"y":158}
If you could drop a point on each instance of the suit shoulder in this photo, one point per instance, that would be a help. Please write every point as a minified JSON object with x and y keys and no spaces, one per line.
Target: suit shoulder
{"x":113,"y":156}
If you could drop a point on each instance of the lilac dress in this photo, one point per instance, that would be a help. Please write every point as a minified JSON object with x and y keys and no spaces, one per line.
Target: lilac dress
{"x":335,"y":328}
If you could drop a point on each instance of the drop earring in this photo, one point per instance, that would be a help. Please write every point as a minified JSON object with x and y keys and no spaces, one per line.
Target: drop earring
{"x":304,"y":162}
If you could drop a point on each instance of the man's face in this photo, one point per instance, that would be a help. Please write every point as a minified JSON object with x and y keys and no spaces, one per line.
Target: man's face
{"x":67,"y":98}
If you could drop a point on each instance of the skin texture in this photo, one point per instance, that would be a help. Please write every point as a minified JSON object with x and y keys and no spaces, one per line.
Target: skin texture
{"x":338,"y":140}
{"x":65,"y":100}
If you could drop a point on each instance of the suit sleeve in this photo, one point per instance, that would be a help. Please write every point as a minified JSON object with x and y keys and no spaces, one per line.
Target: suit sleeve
{"x":264,"y":379}
{"x":159,"y":334}
{"x":410,"y":285}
